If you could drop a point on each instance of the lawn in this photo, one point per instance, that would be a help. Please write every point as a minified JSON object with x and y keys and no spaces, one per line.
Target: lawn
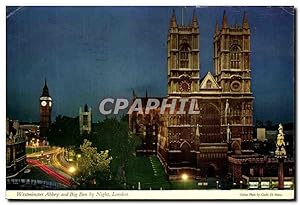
{"x":148,"y":171}
{"x":188,"y":184}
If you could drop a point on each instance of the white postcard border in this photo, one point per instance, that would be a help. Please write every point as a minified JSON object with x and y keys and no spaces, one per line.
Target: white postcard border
{"x":152,"y":195}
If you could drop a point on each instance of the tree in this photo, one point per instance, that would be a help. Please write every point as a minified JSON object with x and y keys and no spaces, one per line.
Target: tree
{"x":65,"y":132}
{"x":112,"y":134}
{"x":93,"y":165}
{"x":259,"y":123}
{"x":269,"y":124}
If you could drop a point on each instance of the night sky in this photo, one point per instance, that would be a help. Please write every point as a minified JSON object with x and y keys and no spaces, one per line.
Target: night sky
{"x":89,"y":53}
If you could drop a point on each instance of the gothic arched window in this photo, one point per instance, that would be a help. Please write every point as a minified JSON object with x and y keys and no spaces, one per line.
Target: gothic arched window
{"x":184,"y":55}
{"x":235,"y":57}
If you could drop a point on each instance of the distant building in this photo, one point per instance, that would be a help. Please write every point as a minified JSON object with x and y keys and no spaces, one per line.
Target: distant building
{"x":30,"y":131}
{"x":15,"y":149}
{"x":261,"y":134}
{"x":45,"y":111}
{"x":146,"y":126}
{"x":85,"y":119}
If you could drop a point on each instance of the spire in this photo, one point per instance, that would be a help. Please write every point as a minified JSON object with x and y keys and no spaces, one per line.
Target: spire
{"x":86,"y":108}
{"x":45,"y":89}
{"x":133,"y":94}
{"x":173,"y":22}
{"x":195,"y":20}
{"x":146,"y":93}
{"x":217,"y":28}
{"x":224,"y":21}
{"x":245,"y":21}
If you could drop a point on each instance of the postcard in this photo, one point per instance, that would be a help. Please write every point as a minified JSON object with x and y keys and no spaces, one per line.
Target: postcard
{"x":150,"y":103}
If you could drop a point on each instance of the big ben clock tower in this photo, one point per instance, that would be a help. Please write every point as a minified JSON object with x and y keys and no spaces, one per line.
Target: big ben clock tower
{"x":45,"y":111}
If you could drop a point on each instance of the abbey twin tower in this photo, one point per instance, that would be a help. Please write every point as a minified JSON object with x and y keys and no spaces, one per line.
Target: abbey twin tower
{"x":201,"y":144}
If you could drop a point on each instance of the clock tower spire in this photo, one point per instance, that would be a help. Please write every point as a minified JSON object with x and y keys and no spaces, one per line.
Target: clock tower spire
{"x":45,"y":89}
{"x":45,"y":111}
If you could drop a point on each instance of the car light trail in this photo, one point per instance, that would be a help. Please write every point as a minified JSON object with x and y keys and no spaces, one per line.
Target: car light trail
{"x":60,"y":178}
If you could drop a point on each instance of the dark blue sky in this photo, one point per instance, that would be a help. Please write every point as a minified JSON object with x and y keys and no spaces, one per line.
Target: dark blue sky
{"x":89,"y":53}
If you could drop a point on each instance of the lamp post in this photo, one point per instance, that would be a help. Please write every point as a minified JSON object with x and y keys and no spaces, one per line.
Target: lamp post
{"x":217,"y":182}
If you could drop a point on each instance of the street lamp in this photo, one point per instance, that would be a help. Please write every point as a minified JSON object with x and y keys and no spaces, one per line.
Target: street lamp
{"x":72,"y":169}
{"x":241,"y":184}
{"x":217,"y":184}
{"x":184,"y":177}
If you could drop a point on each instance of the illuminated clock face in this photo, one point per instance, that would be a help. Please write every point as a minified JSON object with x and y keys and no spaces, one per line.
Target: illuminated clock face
{"x":50,"y":103}
{"x":184,"y":86}
{"x":43,"y":103}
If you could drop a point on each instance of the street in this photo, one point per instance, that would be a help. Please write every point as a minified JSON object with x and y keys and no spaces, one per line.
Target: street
{"x":53,"y":164}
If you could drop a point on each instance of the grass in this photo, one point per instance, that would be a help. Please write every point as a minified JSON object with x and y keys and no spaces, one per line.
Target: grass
{"x":181,"y":185}
{"x":148,"y":171}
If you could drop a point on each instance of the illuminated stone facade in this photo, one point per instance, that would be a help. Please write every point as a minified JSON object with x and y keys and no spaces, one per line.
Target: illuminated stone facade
{"x":15,"y":149}
{"x":217,"y":141}
{"x":197,"y":144}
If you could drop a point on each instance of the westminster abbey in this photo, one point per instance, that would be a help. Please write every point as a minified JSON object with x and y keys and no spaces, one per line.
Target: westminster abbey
{"x":216,"y":142}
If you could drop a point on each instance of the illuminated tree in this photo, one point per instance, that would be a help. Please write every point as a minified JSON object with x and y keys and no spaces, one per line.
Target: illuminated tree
{"x":92,"y":164}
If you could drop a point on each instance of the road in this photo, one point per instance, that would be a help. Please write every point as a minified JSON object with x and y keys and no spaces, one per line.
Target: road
{"x":59,"y":162}
{"x":39,"y":154}
{"x":54,"y":174}
{"x":53,"y":164}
